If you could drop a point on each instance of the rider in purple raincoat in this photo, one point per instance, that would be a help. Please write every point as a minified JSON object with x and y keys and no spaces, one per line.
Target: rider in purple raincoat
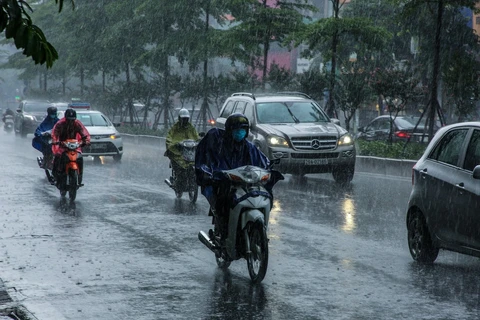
{"x":40,"y":141}
{"x":224,"y":150}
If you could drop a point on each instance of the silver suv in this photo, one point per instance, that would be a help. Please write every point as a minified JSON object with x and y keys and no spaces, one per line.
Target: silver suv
{"x":294,"y":128}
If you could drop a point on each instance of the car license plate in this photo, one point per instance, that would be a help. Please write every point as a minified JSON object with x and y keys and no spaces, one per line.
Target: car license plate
{"x":315,"y":162}
{"x":97,"y":146}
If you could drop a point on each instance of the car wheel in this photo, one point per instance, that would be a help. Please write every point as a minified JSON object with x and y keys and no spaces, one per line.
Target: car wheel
{"x":117,"y":157}
{"x":420,"y":242}
{"x":23,"y":132}
{"x":343,"y":175}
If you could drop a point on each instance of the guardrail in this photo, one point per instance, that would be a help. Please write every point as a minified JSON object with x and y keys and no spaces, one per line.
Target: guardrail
{"x":376,"y":165}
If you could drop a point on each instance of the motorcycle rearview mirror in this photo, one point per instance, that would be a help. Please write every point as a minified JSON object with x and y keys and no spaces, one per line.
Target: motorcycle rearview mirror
{"x":201,"y":134}
{"x":274,"y":162}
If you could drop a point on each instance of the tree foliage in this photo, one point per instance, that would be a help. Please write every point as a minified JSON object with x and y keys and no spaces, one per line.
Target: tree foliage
{"x":17,"y":24}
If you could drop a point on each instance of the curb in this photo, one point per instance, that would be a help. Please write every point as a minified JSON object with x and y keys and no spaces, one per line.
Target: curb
{"x":385,"y":166}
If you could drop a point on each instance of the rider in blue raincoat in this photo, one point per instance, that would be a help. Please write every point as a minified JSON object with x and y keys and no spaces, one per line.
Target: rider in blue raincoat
{"x":224,"y":150}
{"x":40,"y":141}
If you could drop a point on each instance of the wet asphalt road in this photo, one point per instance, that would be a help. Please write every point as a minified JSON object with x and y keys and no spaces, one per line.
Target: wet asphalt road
{"x":127,"y":249}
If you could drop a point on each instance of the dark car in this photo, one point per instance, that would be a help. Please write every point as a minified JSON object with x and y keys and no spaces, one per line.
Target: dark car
{"x":444,"y":206}
{"x":402,"y":128}
{"x":294,"y":128}
{"x":29,"y":115}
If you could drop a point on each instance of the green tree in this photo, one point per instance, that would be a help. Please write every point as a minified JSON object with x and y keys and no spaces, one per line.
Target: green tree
{"x":332,"y":38}
{"x":431,"y":38}
{"x":352,"y":91}
{"x":312,"y":82}
{"x":280,"y":79}
{"x":397,"y":87}
{"x":262,"y":22}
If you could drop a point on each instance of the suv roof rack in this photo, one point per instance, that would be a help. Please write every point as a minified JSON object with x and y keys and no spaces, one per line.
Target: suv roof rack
{"x":248,"y":94}
{"x":294,"y":93}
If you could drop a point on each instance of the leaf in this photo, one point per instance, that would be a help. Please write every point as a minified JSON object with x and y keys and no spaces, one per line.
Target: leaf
{"x":31,"y":42}
{"x":3,"y":20}
{"x":10,"y":29}
{"x":20,"y":37}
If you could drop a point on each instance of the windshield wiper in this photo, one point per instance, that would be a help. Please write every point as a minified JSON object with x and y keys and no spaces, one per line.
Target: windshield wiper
{"x":291,"y":113}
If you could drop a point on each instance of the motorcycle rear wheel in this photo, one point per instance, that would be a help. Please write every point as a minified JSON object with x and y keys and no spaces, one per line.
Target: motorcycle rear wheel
{"x":257,"y":259}
{"x":73,"y":186}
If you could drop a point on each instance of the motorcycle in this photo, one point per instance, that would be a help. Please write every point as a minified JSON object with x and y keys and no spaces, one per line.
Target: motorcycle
{"x":183,"y":179}
{"x":68,"y":181}
{"x":8,"y":123}
{"x":247,"y":219}
{"x":46,"y":162}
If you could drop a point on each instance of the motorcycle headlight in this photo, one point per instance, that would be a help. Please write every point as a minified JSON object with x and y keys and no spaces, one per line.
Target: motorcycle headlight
{"x":276,"y":141}
{"x":29,"y":117}
{"x":345,"y":140}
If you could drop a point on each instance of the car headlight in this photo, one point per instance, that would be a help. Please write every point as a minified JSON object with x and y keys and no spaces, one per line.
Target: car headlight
{"x":345,"y":140}
{"x":115,"y":136}
{"x":276,"y":141}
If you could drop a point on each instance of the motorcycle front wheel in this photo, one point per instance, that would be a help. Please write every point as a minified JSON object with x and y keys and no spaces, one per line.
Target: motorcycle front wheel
{"x":222,"y":262}
{"x":73,"y":185}
{"x":257,"y":259}
{"x":193,"y":195}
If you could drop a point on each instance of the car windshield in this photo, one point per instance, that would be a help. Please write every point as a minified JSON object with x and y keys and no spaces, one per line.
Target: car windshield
{"x":37,"y":107}
{"x":289,"y":112}
{"x":93,"y":120}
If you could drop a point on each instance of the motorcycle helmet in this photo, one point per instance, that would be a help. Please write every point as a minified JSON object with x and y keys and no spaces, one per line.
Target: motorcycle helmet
{"x":52,"y":112}
{"x":236,"y":121}
{"x":183,"y":116}
{"x":70,"y":114}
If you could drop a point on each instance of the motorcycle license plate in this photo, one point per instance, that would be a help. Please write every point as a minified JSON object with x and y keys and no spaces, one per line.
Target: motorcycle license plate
{"x":315,"y":162}
{"x":189,"y":155}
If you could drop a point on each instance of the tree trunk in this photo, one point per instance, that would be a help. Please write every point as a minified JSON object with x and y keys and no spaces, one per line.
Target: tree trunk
{"x":330,"y":109}
{"x":434,"y":105}
{"x":82,"y":81}
{"x":129,"y":93}
{"x":204,"y":107}
{"x":64,"y":83}
{"x":166,"y":93}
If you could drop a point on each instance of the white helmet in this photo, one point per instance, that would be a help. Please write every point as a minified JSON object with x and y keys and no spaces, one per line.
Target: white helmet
{"x":183,"y":113}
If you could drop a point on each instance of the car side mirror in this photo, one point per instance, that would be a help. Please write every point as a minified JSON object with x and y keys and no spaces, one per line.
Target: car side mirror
{"x":336,"y":121}
{"x":18,"y":110}
{"x":117,"y":124}
{"x":476,"y":172}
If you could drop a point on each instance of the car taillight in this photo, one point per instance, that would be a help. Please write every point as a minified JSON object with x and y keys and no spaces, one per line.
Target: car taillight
{"x":402,"y":134}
